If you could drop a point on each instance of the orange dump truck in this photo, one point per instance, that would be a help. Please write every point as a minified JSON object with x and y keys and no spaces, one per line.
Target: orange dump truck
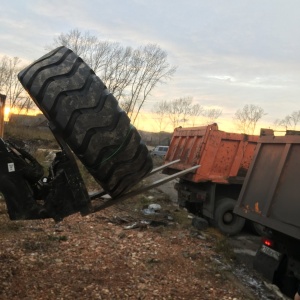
{"x":212,"y":190}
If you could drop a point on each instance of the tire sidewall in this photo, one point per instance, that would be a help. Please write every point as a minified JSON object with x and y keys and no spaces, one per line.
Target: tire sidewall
{"x":227,"y":205}
{"x":257,"y":228}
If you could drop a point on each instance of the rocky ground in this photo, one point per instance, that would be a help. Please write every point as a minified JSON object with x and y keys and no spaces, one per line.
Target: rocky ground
{"x":129,"y":251}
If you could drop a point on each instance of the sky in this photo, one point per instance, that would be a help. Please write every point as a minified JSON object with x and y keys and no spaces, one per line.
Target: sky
{"x":227,"y":53}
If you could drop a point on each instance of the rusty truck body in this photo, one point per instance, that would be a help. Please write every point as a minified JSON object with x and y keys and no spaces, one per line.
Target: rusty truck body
{"x":211,"y":190}
{"x":270,"y":196}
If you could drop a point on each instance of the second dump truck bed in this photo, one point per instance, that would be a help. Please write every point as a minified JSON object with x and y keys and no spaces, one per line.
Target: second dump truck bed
{"x":270,"y":194}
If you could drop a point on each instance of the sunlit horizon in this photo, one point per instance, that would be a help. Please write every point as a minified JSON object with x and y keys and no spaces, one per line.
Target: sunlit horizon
{"x":15,"y":111}
{"x":148,"y":121}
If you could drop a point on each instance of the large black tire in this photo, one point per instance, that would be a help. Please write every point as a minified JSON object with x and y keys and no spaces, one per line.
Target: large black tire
{"x":228,"y":222}
{"x":257,"y":228}
{"x":88,"y":118}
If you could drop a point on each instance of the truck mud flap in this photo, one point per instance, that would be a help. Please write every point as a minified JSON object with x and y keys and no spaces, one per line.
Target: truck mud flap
{"x":267,"y":262}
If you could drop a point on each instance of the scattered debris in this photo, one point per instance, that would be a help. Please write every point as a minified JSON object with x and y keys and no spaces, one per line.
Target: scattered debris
{"x":200,"y":223}
{"x":139,"y":224}
{"x":152,"y":209}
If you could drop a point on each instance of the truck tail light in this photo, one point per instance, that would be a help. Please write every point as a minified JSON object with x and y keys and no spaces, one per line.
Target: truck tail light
{"x":268,"y":242}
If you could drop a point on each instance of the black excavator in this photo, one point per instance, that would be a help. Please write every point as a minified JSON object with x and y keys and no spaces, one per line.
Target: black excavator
{"x":87,"y":123}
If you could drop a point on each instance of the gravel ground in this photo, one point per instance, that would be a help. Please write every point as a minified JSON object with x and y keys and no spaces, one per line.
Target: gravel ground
{"x":123,"y":252}
{"x":118,"y":253}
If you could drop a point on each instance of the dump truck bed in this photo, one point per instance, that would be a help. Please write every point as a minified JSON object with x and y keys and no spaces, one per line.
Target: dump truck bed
{"x":223,"y":157}
{"x":271,"y":191}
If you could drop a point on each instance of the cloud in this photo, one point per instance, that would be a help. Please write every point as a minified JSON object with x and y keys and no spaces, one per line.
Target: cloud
{"x":228,"y":53}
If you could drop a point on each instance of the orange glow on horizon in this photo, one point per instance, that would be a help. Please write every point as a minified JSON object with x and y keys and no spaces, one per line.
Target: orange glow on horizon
{"x":6,"y":114}
{"x":148,"y":121}
{"x":9,"y":111}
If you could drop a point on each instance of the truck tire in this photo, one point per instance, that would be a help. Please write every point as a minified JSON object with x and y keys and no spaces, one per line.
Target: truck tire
{"x":88,"y":118}
{"x":257,"y":228}
{"x":226,"y":221}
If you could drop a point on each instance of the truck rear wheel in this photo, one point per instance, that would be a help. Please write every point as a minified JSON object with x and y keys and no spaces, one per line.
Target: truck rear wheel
{"x":226,"y":221}
{"x":257,"y":228}
{"x":88,"y":118}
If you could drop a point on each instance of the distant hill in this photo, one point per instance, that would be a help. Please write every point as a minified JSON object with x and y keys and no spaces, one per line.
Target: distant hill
{"x":156,"y":138}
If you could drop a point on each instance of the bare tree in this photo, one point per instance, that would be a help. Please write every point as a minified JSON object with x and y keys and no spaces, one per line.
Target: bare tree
{"x":285,"y":122}
{"x":11,"y":86}
{"x":179,"y":110}
{"x":295,"y":118}
{"x":85,"y":45}
{"x":289,"y":121}
{"x":151,"y":68}
{"x":130,"y":74}
{"x":173,"y":113}
{"x":195,"y":112}
{"x":117,"y":71}
{"x":247,"y":118}
{"x":3,"y":72}
{"x":161,"y":112}
{"x":212,"y":114}
{"x":186,"y":104}
{"x":277,"y":123}
{"x":24,"y":104}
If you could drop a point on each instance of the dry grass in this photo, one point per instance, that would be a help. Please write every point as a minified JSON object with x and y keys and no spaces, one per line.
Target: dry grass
{"x":221,"y":244}
{"x":28,"y":133}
